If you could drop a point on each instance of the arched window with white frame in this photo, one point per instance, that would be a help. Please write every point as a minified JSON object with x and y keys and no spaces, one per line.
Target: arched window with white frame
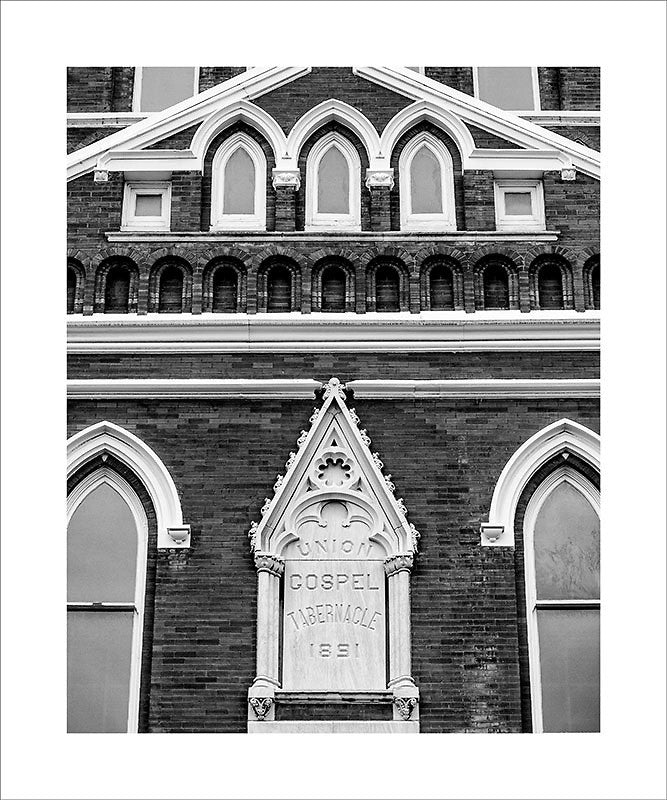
{"x":107,"y":541}
{"x":333,"y":185}
{"x":561,"y":532}
{"x":238,"y":191}
{"x":427,"y":185}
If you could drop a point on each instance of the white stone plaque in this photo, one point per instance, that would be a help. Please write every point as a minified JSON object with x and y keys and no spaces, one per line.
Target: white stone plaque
{"x":334,"y":626}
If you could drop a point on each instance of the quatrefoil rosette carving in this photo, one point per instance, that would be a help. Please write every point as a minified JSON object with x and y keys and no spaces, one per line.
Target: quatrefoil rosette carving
{"x":334,"y":469}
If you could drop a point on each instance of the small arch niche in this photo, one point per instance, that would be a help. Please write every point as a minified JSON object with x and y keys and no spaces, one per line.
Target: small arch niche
{"x":71,"y":290}
{"x":279,"y":290}
{"x":117,"y":291}
{"x":225,"y":291}
{"x":496,"y":288}
{"x":550,"y":286}
{"x":170,"y":300}
{"x":441,"y":288}
{"x":333,"y":289}
{"x":387,"y":289}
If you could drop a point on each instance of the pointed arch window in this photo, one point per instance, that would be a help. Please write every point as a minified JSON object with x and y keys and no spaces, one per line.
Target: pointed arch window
{"x":333,"y":185}
{"x":238,"y":200}
{"x":426,"y":185}
{"x":562,"y":566}
{"x":107,"y":537}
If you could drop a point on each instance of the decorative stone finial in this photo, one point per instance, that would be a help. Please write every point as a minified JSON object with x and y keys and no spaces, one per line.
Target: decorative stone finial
{"x":334,"y":386}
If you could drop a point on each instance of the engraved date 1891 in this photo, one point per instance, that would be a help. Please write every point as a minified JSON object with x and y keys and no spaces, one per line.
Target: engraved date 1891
{"x":338,"y":650}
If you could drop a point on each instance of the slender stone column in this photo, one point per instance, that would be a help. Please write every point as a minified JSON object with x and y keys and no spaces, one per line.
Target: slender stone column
{"x":406,"y":694}
{"x":270,"y":569}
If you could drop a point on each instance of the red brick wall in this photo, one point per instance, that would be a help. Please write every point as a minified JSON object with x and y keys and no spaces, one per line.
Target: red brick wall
{"x":445,"y":458}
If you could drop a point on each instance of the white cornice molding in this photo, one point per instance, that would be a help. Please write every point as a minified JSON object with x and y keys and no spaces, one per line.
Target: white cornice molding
{"x":426,"y":332}
{"x":186,"y":388}
{"x":104,"y":119}
{"x":299,"y":389}
{"x":480,"y":388}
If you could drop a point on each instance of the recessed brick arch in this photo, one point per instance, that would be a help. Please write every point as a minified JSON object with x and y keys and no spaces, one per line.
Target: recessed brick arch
{"x":536,"y":270}
{"x":316,"y":281}
{"x":275,"y":261}
{"x":102,"y":274}
{"x":456,"y":270}
{"x":156,"y":274}
{"x":591,"y":275}
{"x":75,"y":293}
{"x":496,"y":260}
{"x":209,"y":274}
{"x":399,"y":266}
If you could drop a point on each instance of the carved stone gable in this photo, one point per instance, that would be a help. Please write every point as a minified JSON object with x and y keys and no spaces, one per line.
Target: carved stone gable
{"x":337,"y":530}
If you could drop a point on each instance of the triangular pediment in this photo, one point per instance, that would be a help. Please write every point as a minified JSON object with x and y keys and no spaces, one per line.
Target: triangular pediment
{"x":334,"y":483}
{"x":244,"y":97}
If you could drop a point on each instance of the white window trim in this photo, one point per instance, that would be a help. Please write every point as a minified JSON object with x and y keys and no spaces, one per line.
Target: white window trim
{"x":130,"y":222}
{"x":592,"y":495}
{"x":120,"y":485}
{"x":136,"y":91}
{"x":536,"y":92}
{"x":315,"y":221}
{"x":238,"y":222}
{"x":445,"y":221}
{"x":514,"y":222}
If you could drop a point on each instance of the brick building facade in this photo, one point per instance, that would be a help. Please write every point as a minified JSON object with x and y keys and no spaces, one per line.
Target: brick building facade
{"x":460,"y":314}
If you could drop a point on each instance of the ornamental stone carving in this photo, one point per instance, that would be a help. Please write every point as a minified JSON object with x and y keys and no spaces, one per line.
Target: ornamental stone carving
{"x":376,"y":179}
{"x":261,"y":706}
{"x":252,"y":536}
{"x":269,"y":563}
{"x":100,"y":176}
{"x":286,"y":179}
{"x":399,"y":563}
{"x":405,"y":706}
{"x":334,"y":386}
{"x":568,"y":174}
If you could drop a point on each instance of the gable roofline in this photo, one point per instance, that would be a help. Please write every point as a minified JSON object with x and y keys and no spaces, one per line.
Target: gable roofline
{"x":476,"y":112}
{"x":228,"y":102}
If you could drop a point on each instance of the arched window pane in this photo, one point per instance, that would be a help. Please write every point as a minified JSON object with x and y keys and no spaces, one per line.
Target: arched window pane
{"x":425,"y":183}
{"x":71,"y":290}
{"x":224,"y":290}
{"x":595,"y":287}
{"x":550,"y":287}
{"x":387,"y":289}
{"x":171,"y":290}
{"x":102,"y":549}
{"x":570,"y":669}
{"x":279,"y":290}
{"x":99,"y":657}
{"x":117,"y":292}
{"x":333,"y":184}
{"x":442,"y":289}
{"x":333,"y":289}
{"x":239,"y":183}
{"x":567,"y":547}
{"x":496,"y":289}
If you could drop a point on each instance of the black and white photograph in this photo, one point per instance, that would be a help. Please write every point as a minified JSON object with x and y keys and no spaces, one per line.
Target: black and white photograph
{"x":333,"y":405}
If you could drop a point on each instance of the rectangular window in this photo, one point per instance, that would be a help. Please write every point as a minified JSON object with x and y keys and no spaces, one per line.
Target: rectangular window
{"x":146,"y":206}
{"x":519,"y":205}
{"x":157,"y":88}
{"x":509,"y":88}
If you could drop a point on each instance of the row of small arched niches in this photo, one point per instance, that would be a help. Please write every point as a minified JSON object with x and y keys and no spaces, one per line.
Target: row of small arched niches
{"x":226,"y":287}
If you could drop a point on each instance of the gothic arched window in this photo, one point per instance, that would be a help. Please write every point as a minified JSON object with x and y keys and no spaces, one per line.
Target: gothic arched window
{"x":562,"y":566}
{"x":333,"y":178}
{"x":106,"y":568}
{"x":426,"y":185}
{"x":238,"y":193}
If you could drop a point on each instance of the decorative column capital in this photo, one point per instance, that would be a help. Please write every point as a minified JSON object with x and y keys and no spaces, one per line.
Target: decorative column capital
{"x":568,"y":174}
{"x":261,"y":706}
{"x":286,"y":179}
{"x":179,"y":535}
{"x":491,"y":533}
{"x":405,"y":706}
{"x":267,"y":562}
{"x":380,"y":178}
{"x":399,"y":563}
